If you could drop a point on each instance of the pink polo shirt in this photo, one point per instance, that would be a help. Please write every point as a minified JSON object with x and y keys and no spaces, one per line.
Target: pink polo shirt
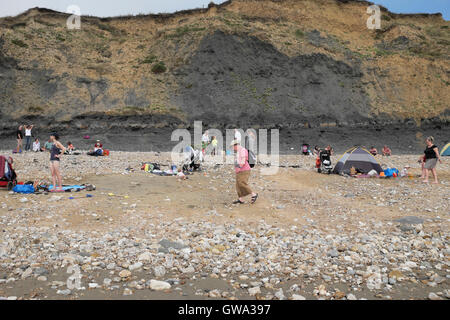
{"x":242,"y":160}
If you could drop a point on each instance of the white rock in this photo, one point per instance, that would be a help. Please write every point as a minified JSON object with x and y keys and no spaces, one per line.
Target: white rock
{"x":159,"y":285}
{"x":298,"y":297}
{"x":351,"y":296}
{"x":433,"y":296}
{"x":254,"y":291}
{"x":135,"y":266}
{"x":145,"y":257}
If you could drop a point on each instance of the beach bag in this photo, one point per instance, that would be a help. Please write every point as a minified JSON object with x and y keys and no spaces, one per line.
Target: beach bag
{"x":391,"y":172}
{"x":251,"y":159}
{"x":24,"y":188}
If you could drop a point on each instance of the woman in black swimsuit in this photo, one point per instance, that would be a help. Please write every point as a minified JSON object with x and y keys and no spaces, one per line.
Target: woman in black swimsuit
{"x":55,"y":155}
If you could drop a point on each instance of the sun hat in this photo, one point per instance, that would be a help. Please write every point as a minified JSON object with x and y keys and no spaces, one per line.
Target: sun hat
{"x":234,"y":142}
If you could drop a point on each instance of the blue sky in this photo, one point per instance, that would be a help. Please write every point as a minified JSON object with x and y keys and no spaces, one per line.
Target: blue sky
{"x":108,"y":8}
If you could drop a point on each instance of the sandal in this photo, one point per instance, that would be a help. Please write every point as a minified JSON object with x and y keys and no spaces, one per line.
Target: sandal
{"x":238,"y":202}
{"x":254,"y":198}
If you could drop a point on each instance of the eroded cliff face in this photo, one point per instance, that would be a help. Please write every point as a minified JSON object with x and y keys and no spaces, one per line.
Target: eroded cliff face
{"x":284,"y":64}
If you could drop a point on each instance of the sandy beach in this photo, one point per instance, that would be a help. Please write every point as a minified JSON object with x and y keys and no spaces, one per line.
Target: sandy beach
{"x":143,"y":236}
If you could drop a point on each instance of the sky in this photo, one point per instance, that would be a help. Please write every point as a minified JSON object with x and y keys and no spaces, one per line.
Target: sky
{"x":109,"y":8}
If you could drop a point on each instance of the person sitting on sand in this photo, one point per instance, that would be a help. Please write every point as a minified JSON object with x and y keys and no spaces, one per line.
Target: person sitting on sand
{"x":386,"y":151}
{"x":37,"y":145}
{"x":70,"y":146}
{"x":98,"y":149}
{"x":373,"y":151}
{"x":181,"y":175}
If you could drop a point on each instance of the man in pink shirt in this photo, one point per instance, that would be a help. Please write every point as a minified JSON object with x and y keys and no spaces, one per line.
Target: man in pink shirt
{"x":242,"y":169}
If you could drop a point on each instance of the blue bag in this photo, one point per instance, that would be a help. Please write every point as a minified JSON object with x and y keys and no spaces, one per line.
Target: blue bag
{"x":24,"y":188}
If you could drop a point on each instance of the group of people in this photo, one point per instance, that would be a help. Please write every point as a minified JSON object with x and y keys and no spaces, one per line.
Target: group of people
{"x":206,"y":141}
{"x":36,"y":145}
{"x":386,"y":152}
{"x":20,"y":135}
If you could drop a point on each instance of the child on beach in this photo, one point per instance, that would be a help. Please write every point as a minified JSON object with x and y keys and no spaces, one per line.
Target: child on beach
{"x":181,"y":175}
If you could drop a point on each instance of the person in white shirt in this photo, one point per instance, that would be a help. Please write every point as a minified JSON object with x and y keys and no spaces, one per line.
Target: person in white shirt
{"x":36,"y":145}
{"x":28,"y":137}
{"x":205,"y":141}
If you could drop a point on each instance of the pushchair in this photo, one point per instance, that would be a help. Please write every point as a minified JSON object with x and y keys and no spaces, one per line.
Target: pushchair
{"x":8,"y":177}
{"x":324,"y":163}
{"x":193,"y":160}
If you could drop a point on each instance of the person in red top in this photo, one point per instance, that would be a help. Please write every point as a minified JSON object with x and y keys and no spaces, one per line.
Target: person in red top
{"x":242,"y":169}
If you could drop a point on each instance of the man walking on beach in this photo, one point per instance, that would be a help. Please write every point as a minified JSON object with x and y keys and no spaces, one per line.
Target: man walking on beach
{"x":242,"y":169}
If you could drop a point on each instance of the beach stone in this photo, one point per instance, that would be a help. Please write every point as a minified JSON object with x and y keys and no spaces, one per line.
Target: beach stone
{"x":410,"y":220}
{"x":351,"y":296}
{"x":135,"y":266}
{"x":145,"y":257}
{"x":433,"y":296}
{"x":298,"y":297}
{"x":333,"y":253}
{"x":65,"y":292}
{"x":166,"y":244}
{"x":280,"y":295}
{"x":159,"y":271}
{"x":42,"y":278}
{"x":28,"y":272}
{"x":159,"y":285}
{"x":189,"y":269}
{"x":254,"y":291}
{"x":124,"y":273}
{"x":127,"y":292}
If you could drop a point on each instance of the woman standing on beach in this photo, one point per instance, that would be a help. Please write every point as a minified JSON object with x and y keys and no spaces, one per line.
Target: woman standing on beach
{"x":28,"y":137}
{"x":55,"y":155}
{"x":431,"y":158}
{"x":19,"y":137}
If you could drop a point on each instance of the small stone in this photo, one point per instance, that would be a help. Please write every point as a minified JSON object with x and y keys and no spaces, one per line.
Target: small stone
{"x":351,"y":296}
{"x":433,"y":296}
{"x":135,"y":266}
{"x":127,"y":292}
{"x":159,"y":285}
{"x":159,"y":271}
{"x":298,"y":297}
{"x":124,"y":274}
{"x":145,"y":257}
{"x":28,"y":272}
{"x":42,"y":278}
{"x":65,"y":292}
{"x":333,"y":253}
{"x":254,"y":291}
{"x":280,"y":295}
